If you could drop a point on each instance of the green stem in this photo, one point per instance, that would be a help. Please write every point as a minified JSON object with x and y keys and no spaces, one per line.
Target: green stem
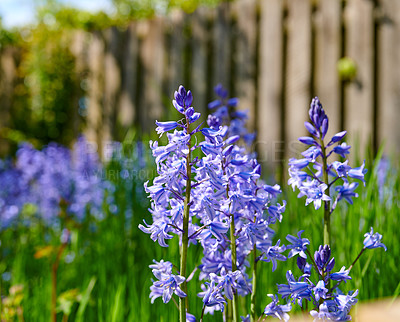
{"x":54,"y":269}
{"x":185,"y":235}
{"x":359,"y":255}
{"x":202,"y":313}
{"x":253,"y":293}
{"x":327,"y":204}
{"x":234,"y":268}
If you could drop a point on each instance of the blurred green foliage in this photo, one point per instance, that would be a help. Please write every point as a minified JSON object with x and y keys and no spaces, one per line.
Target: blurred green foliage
{"x":47,"y":89}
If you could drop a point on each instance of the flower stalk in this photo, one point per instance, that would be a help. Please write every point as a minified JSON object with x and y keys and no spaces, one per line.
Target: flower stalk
{"x":183,"y":302}
{"x":253,"y":315}
{"x":234,"y":268}
{"x":327,"y":203}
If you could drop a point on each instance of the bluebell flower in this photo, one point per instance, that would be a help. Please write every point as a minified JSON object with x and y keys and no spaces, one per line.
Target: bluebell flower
{"x":276,"y":310}
{"x":162,"y":266}
{"x":341,"y":168}
{"x":298,"y":245}
{"x":310,"y":128}
{"x":212,"y":296}
{"x":245,"y":318}
{"x":190,"y":317}
{"x":159,"y":231}
{"x":182,"y":100}
{"x":273,"y":253}
{"x":317,"y":113}
{"x":320,"y":290}
{"x":323,"y":313}
{"x":295,"y":290}
{"x":337,"y":137}
{"x":165,"y":126}
{"x":299,"y":164}
{"x":312,"y":153}
{"x":307,"y":140}
{"x":226,"y":281}
{"x":347,"y":192}
{"x":373,"y":240}
{"x":168,"y":284}
{"x":323,"y":260}
{"x":303,"y":265}
{"x":314,"y":192}
{"x":358,"y":173}
{"x":342,"y":275}
{"x":344,"y":305}
{"x":342,"y":149}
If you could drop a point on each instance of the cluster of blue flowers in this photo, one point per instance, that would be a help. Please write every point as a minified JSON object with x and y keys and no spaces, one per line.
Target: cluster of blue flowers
{"x":314,"y":179}
{"x":315,"y":182}
{"x":48,"y":179}
{"x":226,"y":197}
{"x":217,"y":200}
{"x":322,"y":289}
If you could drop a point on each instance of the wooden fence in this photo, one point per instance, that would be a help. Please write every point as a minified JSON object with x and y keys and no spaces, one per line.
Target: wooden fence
{"x":275,"y":55}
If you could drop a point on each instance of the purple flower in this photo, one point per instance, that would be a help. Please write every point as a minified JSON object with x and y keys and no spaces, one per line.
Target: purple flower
{"x":182,"y":100}
{"x":323,"y":259}
{"x":347,"y":192}
{"x":323,"y":314}
{"x":307,"y":140}
{"x":276,"y":310}
{"x":315,"y":193}
{"x":337,"y":137}
{"x":344,"y":305}
{"x":358,"y":173}
{"x":318,"y":116}
{"x":168,"y":284}
{"x":296,"y":290}
{"x":303,"y":265}
{"x":312,"y":153}
{"x":165,"y":127}
{"x":298,"y":164}
{"x":298,"y":246}
{"x":373,"y":240}
{"x":310,"y":128}
{"x":190,"y":317}
{"x":273,"y":253}
{"x":342,"y":275}
{"x":342,"y":149}
{"x":320,"y":290}
{"x":226,"y":281}
{"x":212,"y":296}
{"x":159,"y":231}
{"x":341,"y":168}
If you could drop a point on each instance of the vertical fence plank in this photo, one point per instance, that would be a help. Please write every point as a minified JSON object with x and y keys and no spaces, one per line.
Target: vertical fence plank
{"x":221,"y":46}
{"x":176,"y":50}
{"x":327,"y":54}
{"x":245,"y":56}
{"x":389,"y":76}
{"x":359,"y":94}
{"x":198,"y":74}
{"x":95,"y":91}
{"x":112,"y":84}
{"x":298,"y":74}
{"x":269,"y":107}
{"x":79,"y":48}
{"x":152,"y":53}
{"x":126,"y":113}
{"x":8,"y":74}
